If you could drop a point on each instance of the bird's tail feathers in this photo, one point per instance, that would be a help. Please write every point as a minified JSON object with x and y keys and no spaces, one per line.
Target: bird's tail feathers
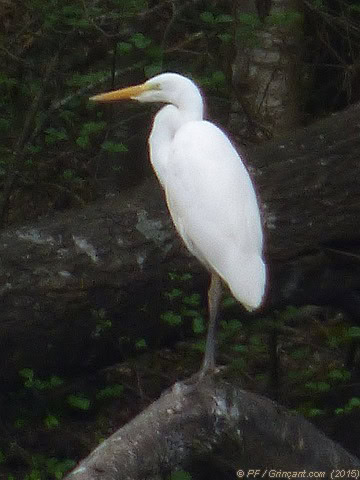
{"x":246,"y":280}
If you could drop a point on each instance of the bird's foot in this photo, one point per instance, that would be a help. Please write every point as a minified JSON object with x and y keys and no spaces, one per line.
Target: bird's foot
{"x":200,"y":378}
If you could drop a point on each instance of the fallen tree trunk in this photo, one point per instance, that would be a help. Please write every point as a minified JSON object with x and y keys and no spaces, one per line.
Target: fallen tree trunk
{"x":57,"y":274}
{"x":217,"y":427}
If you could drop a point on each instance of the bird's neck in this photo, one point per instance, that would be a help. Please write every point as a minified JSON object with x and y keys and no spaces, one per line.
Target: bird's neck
{"x":166,"y":123}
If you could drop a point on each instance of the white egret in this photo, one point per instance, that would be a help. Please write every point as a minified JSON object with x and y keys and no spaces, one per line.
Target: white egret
{"x":208,"y":191}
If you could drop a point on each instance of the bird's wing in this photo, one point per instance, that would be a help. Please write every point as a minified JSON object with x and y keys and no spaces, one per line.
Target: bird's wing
{"x":213,"y":204}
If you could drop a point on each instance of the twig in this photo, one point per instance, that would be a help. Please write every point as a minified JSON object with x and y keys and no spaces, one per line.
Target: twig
{"x":19,"y":150}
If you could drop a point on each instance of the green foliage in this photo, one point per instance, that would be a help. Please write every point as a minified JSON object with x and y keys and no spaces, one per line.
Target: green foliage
{"x":2,"y":457}
{"x":114,"y":147}
{"x":353,"y":403}
{"x":179,"y":277}
{"x":103,"y":323}
{"x":287,"y":19}
{"x":171,"y":318}
{"x":53,"y":136}
{"x":214,"y":81}
{"x":210,"y":18}
{"x":78,"y":401}
{"x":111,"y":391}
{"x":337,"y":375}
{"x":58,"y":468}
{"x":318,"y":387}
{"x":30,"y":380}
{"x":228,"y":301}
{"x":180,"y":475}
{"x":43,"y":467}
{"x":89,"y":129}
{"x":174,"y":293}
{"x":140,"y":41}
{"x":198,"y":325}
{"x":192,"y":300}
{"x":51,"y":422}
{"x":140,"y":344}
{"x":124,"y":47}
{"x":354,"y":332}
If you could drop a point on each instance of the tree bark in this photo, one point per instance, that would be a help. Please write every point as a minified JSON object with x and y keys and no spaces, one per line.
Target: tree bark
{"x":62,"y":272}
{"x":267,"y":74}
{"x":216,"y":427}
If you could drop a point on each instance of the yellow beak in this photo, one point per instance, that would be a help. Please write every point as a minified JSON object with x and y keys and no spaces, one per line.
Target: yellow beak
{"x":122,"y":94}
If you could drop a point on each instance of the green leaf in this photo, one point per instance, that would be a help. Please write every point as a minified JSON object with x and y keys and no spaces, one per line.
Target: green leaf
{"x":318,"y":387}
{"x":339,"y":375}
{"x":352,"y":7}
{"x":192,"y":300}
{"x":315,"y":412}
{"x":78,"y":401}
{"x":55,"y":381}
{"x":83,"y":141}
{"x":207,"y":17}
{"x":198,"y":325}
{"x":199,"y":346}
{"x":171,"y":318}
{"x":353,"y":332}
{"x":229,"y":302}
{"x":185,"y":277}
{"x":225,"y":37}
{"x":6,"y":80}
{"x":33,"y":149}
{"x":174,"y":293}
{"x":68,"y":116}
{"x":249,"y":19}
{"x":223,"y":18}
{"x":57,"y":468}
{"x":20,"y":423}
{"x":140,"y":41}
{"x":92,"y":127}
{"x":54,"y":135}
{"x":300,"y":353}
{"x":354,"y":402}
{"x":218,"y":78}
{"x":112,"y":391}
{"x":51,"y":422}
{"x":2,"y":457}
{"x":81,"y":23}
{"x":180,"y":475}
{"x":83,"y":80}
{"x":239,"y":348}
{"x":153,"y":69}
{"x":27,"y":373}
{"x":124,"y":47}
{"x":288,"y":18}
{"x":140,"y":344}
{"x":114,"y":147}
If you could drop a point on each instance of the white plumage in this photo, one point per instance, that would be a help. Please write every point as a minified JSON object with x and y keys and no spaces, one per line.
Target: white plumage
{"x":208,"y":190}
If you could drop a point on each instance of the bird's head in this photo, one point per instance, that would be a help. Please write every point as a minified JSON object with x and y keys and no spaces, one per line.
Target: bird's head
{"x":164,"y":88}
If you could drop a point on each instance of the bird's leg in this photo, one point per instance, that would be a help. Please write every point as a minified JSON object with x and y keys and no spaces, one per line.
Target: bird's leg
{"x":214,"y":297}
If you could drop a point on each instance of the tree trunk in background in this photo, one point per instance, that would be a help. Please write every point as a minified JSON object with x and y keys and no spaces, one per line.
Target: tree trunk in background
{"x":267,"y":69}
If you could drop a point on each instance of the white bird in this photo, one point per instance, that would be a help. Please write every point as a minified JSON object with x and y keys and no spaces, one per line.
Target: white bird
{"x":208,"y":191}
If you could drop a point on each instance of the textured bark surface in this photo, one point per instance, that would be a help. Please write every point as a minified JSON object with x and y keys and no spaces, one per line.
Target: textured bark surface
{"x":57,"y":274}
{"x":267,"y":73}
{"x":224,"y":427}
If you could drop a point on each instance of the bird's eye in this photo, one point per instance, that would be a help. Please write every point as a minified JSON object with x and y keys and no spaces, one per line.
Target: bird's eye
{"x":156,"y":86}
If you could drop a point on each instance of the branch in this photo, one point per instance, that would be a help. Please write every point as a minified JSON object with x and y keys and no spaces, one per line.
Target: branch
{"x":216,"y":423}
